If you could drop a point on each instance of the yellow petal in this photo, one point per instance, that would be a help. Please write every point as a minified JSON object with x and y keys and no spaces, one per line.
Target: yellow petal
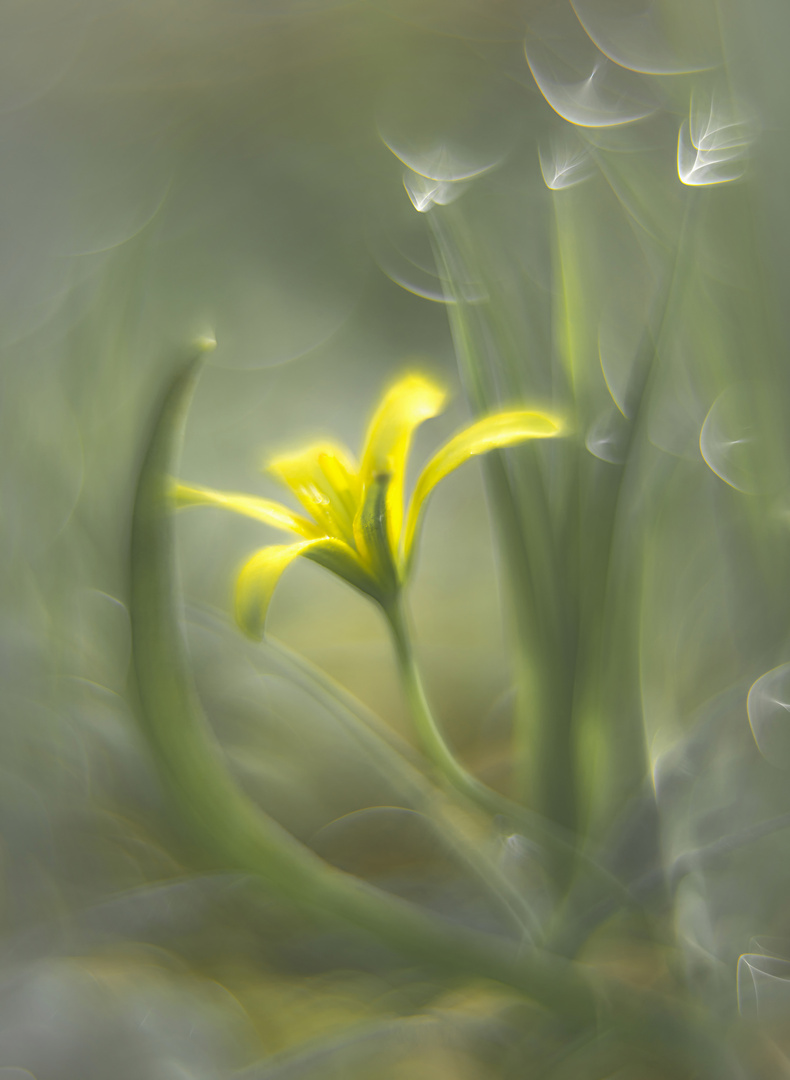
{"x":271,"y":513}
{"x":404,"y":407}
{"x":259,"y":576}
{"x":491,"y":433}
{"x":324,"y":479}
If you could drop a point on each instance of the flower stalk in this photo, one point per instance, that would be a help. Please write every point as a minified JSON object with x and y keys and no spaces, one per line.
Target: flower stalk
{"x":430,"y":738}
{"x":560,"y":843}
{"x":433,"y":743}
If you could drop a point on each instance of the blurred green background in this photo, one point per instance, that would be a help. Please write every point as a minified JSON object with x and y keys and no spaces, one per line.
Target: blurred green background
{"x":175,"y":168}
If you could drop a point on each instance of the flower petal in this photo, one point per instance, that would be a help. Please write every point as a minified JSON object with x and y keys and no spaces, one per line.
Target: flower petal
{"x":271,"y":513}
{"x":325,"y":480}
{"x":259,"y":576}
{"x":491,"y":433}
{"x":404,"y":407}
{"x":257,"y":580}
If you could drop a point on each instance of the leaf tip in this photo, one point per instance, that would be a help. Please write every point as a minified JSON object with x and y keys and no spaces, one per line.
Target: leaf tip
{"x":205,"y":343}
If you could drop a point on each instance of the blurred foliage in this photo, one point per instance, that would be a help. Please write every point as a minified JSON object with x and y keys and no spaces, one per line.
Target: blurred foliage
{"x":576,"y":206}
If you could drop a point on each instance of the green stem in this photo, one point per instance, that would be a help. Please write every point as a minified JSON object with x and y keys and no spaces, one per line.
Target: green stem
{"x":434,"y":746}
{"x":439,"y":808}
{"x":430,"y":737}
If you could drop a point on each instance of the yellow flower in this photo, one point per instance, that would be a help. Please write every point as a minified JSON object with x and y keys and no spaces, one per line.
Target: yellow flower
{"x":354,"y":523}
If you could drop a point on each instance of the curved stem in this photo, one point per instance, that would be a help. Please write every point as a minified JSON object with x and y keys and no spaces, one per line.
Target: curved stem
{"x":437,"y":807}
{"x":435,"y":747}
{"x":431,"y":739}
